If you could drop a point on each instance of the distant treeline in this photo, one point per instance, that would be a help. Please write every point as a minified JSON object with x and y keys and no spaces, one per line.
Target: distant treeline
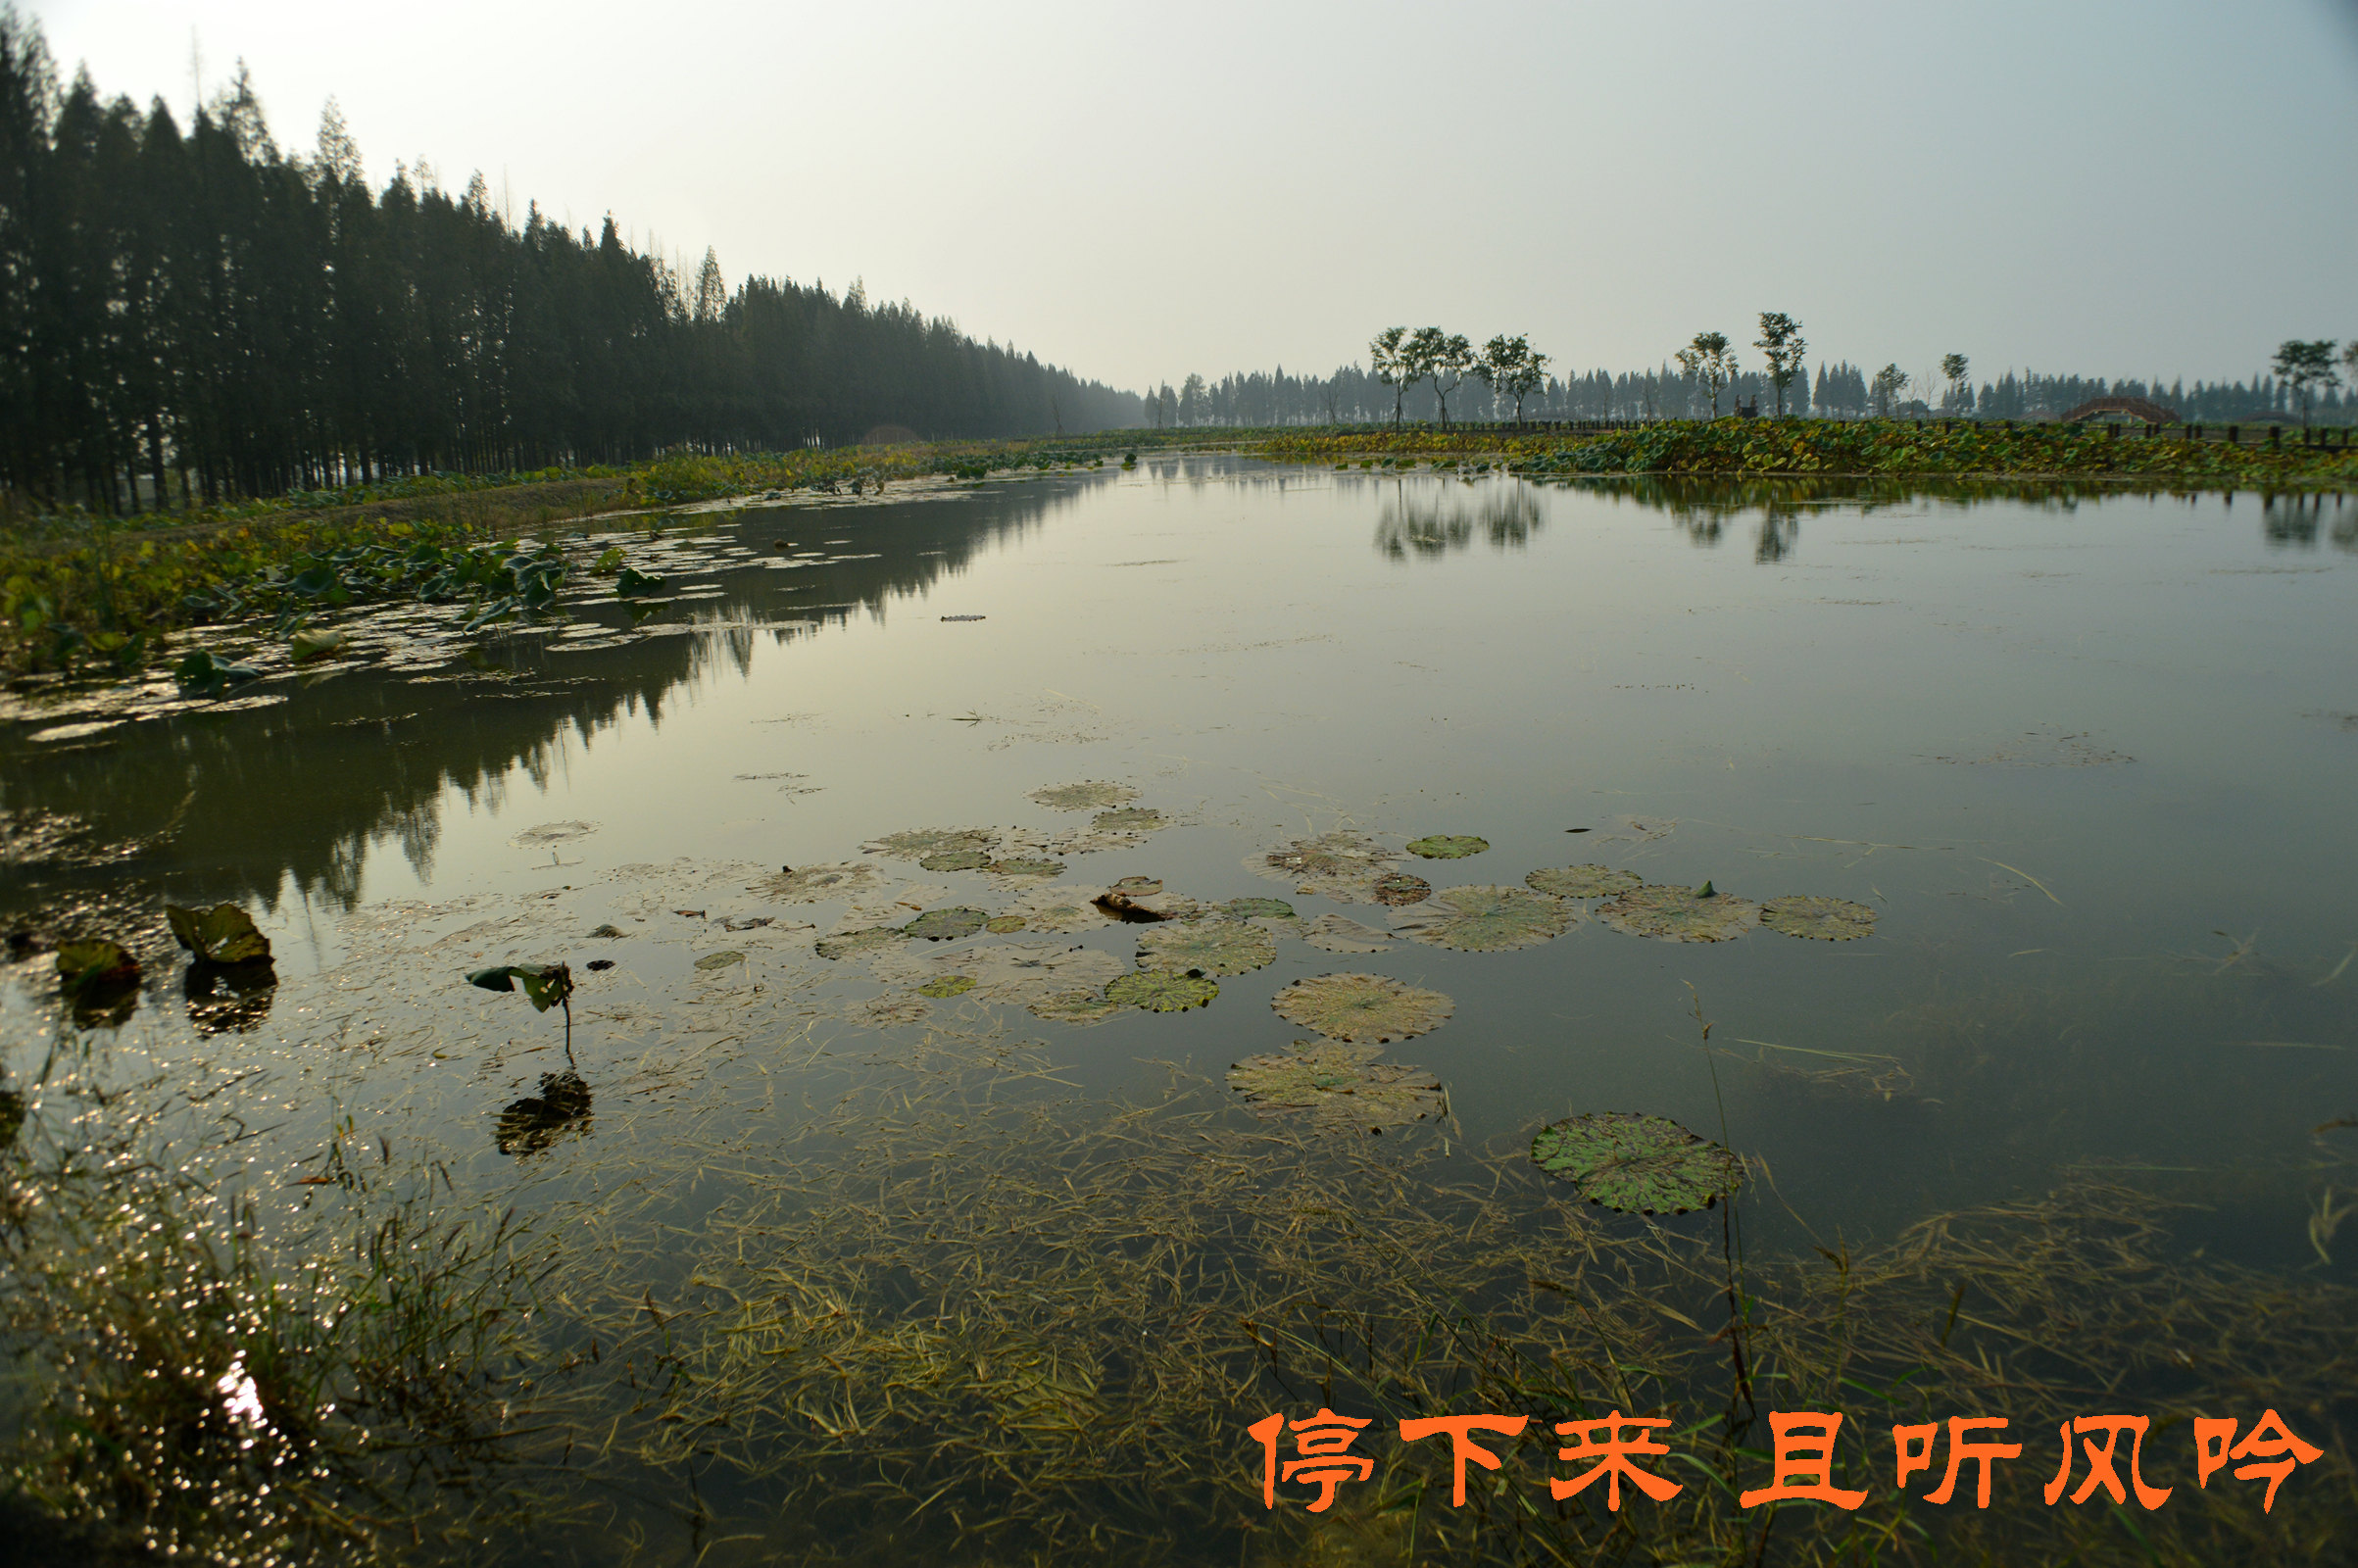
{"x":1351,"y":395}
{"x":199,"y":314}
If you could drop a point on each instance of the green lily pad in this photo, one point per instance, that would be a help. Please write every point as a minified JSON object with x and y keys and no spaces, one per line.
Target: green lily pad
{"x":808,"y":884}
{"x":1481,"y":919}
{"x":1000,"y":925}
{"x":866,"y":940}
{"x":719,"y":961}
{"x":1584,"y":881}
{"x":1161,"y":991}
{"x":918,"y":843}
{"x":1076,"y":1007}
{"x":223,"y":934}
{"x":957,"y":860}
{"x":1338,"y":1084}
{"x":1258,"y":909}
{"x":1395,"y":889}
{"x":1211,"y":946}
{"x":1680,"y":915}
{"x":1362,"y":1007}
{"x":1128,"y":819}
{"x":947,"y":925}
{"x":949,"y":985}
{"x":1027,"y":867}
{"x":1337,"y":933}
{"x":1089,"y":796}
{"x":1637,"y":1164}
{"x":1825,"y":919}
{"x":1448,"y":846}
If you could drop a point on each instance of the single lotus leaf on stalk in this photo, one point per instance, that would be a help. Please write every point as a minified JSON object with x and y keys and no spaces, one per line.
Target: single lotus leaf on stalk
{"x":947,"y":925}
{"x":1448,"y":846}
{"x":1061,"y":907}
{"x":1128,"y":819}
{"x":1680,"y":915}
{"x":1087,"y":796}
{"x":1028,"y":972}
{"x":1076,"y":1007}
{"x":949,"y":985}
{"x":1362,"y":1007}
{"x":1000,"y":925}
{"x":719,"y":961}
{"x":1338,"y":1084}
{"x":546,"y":985}
{"x":1025,"y":868}
{"x":1258,"y":909}
{"x":632,"y":583}
{"x":1137,"y":887}
{"x":1584,"y":881}
{"x":223,"y":934}
{"x":533,"y":1124}
{"x":1810,"y":915}
{"x":808,"y":884}
{"x":305,"y":645}
{"x":918,"y":843}
{"x":92,"y":965}
{"x":865,"y":940}
{"x":1637,"y":1164}
{"x":1337,"y":933}
{"x":1162,"y":991}
{"x":1482,"y":918}
{"x":1211,"y":947}
{"x":957,"y":860}
{"x":204,"y":673}
{"x":1395,"y":889}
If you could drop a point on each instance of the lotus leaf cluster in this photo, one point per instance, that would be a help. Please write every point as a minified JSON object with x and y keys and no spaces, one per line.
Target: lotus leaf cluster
{"x":1680,"y":915}
{"x":1582,"y":881}
{"x":918,"y":843}
{"x":1362,"y":1007}
{"x":1209,"y":947}
{"x":1090,"y":795}
{"x":1338,"y":1084}
{"x":1483,"y":918}
{"x":1824,"y":919}
{"x":1637,"y":1164}
{"x":1161,"y":990}
{"x":1341,"y":866}
{"x":1448,"y":846}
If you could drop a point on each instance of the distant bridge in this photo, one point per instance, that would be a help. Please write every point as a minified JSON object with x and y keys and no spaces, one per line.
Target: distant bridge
{"x":2136,"y":407}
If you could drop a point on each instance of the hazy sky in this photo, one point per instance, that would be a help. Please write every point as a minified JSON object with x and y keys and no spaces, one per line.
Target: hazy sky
{"x":1140,"y":191}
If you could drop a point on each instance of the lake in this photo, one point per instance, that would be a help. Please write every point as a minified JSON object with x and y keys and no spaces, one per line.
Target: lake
{"x":835,"y":1243}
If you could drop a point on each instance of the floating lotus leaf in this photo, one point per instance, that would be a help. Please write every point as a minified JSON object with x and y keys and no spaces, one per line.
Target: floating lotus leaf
{"x":1397,"y":888}
{"x":719,"y":961}
{"x":1161,"y":991}
{"x":957,"y":860}
{"x":808,"y":884}
{"x":1584,"y":881}
{"x":1213,"y":947}
{"x":1258,"y":909}
{"x":1089,"y":796}
{"x":949,"y":985}
{"x":865,"y":940}
{"x":1362,"y":1007}
{"x":947,"y":925}
{"x":1637,"y":1164}
{"x":1000,"y":925}
{"x":1030,"y":972}
{"x":1137,"y":887}
{"x":1338,"y":1086}
{"x":1809,"y":915}
{"x":223,"y":934}
{"x":1341,"y":866}
{"x":1128,"y":819}
{"x":918,"y":843}
{"x":95,"y":964}
{"x":1448,"y":846}
{"x":1060,"y":907}
{"x":1027,"y":869}
{"x":1337,"y":933}
{"x":1680,"y":915}
{"x":1076,"y":1007}
{"x":1481,"y":919}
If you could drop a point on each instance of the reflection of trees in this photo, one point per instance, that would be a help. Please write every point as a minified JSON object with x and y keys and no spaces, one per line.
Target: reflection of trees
{"x":2300,"y":519}
{"x":251,"y":805}
{"x":1434,"y":521}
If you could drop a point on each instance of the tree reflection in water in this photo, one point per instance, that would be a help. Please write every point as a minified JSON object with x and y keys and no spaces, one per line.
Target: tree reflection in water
{"x":1437,"y":523}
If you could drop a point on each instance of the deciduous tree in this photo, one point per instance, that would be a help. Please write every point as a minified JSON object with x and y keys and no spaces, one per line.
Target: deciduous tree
{"x":2303,"y":366}
{"x":1708,"y":361}
{"x":1782,"y":343}
{"x":1511,"y":368}
{"x":1387,"y":357}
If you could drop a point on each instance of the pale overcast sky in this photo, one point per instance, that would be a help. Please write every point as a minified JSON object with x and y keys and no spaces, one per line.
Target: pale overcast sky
{"x":1140,"y":191}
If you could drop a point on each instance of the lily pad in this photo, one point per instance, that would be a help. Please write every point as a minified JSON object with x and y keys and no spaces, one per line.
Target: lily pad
{"x":808,"y":884}
{"x":546,"y":833}
{"x":1060,"y":907}
{"x":1000,"y":925}
{"x":223,"y":934}
{"x":1362,"y":1007}
{"x":957,"y":860}
{"x":949,"y":985}
{"x":1637,"y":1164}
{"x":1128,"y":819}
{"x":1448,"y":846}
{"x":1137,"y":887}
{"x":1825,"y":919}
{"x":1087,"y":796}
{"x":1481,"y":919}
{"x":1341,"y":866}
{"x":1028,"y":869}
{"x":947,"y":925}
{"x":1030,"y":972}
{"x":1258,"y":909}
{"x":865,"y":940}
{"x":1397,"y":888}
{"x":1213,"y":947}
{"x":1076,"y":1007}
{"x":719,"y":961}
{"x":1339,"y":932}
{"x":1584,"y":881}
{"x":1159,"y":991}
{"x":1338,"y":1084}
{"x":1680,"y":915}
{"x":918,"y":843}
